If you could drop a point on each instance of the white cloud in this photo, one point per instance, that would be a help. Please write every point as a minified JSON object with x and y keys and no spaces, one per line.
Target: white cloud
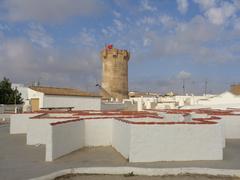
{"x":115,"y":29}
{"x":237,"y":24}
{"x":215,"y":16}
{"x":146,"y":41}
{"x":167,"y":21}
{"x":116,"y":14}
{"x":16,"y":56}
{"x":118,"y":24}
{"x":49,"y":11}
{"x":147,"y":20}
{"x":183,"y":75}
{"x":58,"y":67}
{"x":145,"y":6}
{"x":184,"y":44}
{"x":85,"y":38}
{"x":104,"y":31}
{"x":4,"y":27}
{"x":219,"y":15}
{"x":39,"y":36}
{"x":182,"y":6}
{"x":205,"y":4}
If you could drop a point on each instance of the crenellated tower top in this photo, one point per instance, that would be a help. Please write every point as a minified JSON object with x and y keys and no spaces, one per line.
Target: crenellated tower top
{"x":110,"y":52}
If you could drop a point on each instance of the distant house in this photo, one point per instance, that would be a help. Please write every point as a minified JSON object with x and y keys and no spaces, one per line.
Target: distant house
{"x":223,"y":101}
{"x":235,"y":89}
{"x":54,"y":97}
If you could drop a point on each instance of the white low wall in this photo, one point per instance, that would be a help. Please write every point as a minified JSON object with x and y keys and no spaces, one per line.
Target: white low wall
{"x":68,"y":137}
{"x":19,"y":123}
{"x":138,"y":143}
{"x":98,"y":132}
{"x":78,"y":102}
{"x":121,"y":137}
{"x":198,"y":115}
{"x":151,"y":143}
{"x":5,"y":116}
{"x":173,"y":117}
{"x":37,"y":130}
{"x":231,"y":126}
{"x":63,"y":139}
{"x":112,"y":106}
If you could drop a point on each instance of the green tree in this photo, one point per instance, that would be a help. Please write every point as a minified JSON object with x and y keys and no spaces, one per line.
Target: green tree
{"x":9,"y":95}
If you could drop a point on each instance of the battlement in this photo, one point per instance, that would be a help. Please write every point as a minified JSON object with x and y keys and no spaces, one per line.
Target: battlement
{"x":115,"y":53}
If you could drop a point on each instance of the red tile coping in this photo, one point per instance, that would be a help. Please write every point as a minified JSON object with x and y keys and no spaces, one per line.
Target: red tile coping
{"x":96,"y":113}
{"x":151,"y":111}
{"x":122,"y":119}
{"x":107,"y":117}
{"x":165,"y":123}
{"x":42,"y":116}
{"x":212,"y":118}
{"x":212,"y":112}
{"x":84,"y":113}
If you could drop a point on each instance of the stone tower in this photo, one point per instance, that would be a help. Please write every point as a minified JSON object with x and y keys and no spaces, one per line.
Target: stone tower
{"x":114,"y":73}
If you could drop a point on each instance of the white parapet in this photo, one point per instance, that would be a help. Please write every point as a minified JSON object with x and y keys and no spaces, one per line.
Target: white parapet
{"x":19,"y":122}
{"x":64,"y":138}
{"x":98,"y":132}
{"x":185,"y":142}
{"x":121,"y":138}
{"x":137,"y":142}
{"x":231,"y":126}
{"x":37,"y":130}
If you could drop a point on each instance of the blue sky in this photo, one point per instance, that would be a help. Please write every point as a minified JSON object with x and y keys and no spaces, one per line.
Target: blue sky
{"x":58,"y":42}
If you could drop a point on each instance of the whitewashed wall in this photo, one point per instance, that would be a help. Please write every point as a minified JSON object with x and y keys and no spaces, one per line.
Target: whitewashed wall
{"x":5,"y":116}
{"x":198,"y":115}
{"x":151,"y":143}
{"x":98,"y":132}
{"x":138,"y":143}
{"x":19,"y":122}
{"x":24,"y":92}
{"x":36,"y":94}
{"x":37,"y":130}
{"x":64,"y":138}
{"x":173,"y":117}
{"x":79,"y":103}
{"x":112,"y":106}
{"x":121,"y":137}
{"x":166,"y":105}
{"x":231,"y":126}
{"x":222,"y":99}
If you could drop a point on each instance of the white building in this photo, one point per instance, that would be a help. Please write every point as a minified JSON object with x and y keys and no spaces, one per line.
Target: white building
{"x":53,"y":97}
{"x":222,"y":101}
{"x":168,"y":102}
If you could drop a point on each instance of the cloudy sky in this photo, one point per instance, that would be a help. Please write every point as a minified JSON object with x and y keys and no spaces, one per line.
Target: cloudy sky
{"x":58,"y":42}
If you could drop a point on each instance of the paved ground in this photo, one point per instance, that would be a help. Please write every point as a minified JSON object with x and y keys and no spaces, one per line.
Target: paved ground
{"x":19,"y":161}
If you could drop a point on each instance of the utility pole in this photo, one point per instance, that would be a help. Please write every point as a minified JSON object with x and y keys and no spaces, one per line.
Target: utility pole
{"x":184,"y":91}
{"x":205,"y":88}
{"x":15,"y":100}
